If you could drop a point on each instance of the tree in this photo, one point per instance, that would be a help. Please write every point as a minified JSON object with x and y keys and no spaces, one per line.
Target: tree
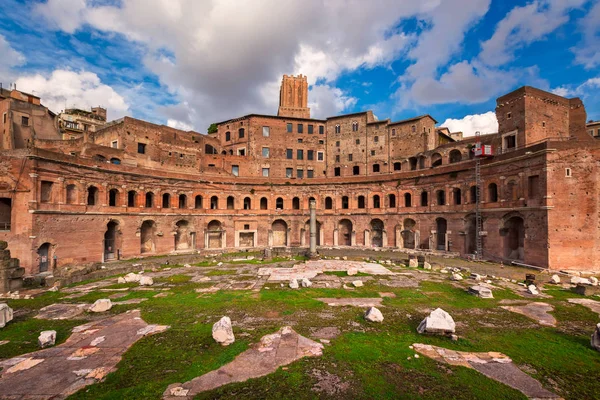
{"x":212,"y":128}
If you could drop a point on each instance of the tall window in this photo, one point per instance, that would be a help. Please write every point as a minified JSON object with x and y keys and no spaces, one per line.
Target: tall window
{"x":290,"y":128}
{"x":289,"y":154}
{"x":375,"y":167}
{"x":354,"y":126}
{"x":407,"y":200}
{"x":321,"y":129}
{"x":300,"y":154}
{"x":310,"y":129}
{"x":345,"y":202}
{"x":356,"y":170}
{"x":266,"y":131}
{"x":241,"y":133}
{"x":338,"y":129}
{"x":235,"y":170}
{"x":265,"y":172}
{"x":361,"y":201}
{"x":376,"y":201}
{"x":142,"y":148}
{"x":265,"y":152}
{"x":300,"y":128}
{"x":227,"y":136}
{"x":289,"y":172}
{"x":310,"y":155}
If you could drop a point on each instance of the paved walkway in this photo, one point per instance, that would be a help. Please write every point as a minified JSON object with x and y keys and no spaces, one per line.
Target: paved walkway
{"x":92,"y":351}
{"x":310,"y":269}
{"x":274,"y":350}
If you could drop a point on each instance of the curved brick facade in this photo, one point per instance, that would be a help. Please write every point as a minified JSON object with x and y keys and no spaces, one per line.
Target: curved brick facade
{"x":134,"y":188}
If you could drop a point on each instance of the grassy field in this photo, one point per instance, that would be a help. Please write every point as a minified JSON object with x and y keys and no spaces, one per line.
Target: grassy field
{"x":366,"y":360}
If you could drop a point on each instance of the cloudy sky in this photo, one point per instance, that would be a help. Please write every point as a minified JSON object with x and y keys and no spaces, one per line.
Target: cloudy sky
{"x":187,"y":63}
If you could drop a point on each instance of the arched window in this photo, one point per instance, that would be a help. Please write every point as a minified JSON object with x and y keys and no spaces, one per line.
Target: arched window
{"x":214,"y":203}
{"x":391,"y":200}
{"x":295,"y":203}
{"x":337,"y":129}
{"x":436,"y":160}
{"x":328,"y":203}
{"x":492,"y":193}
{"x":264,"y":203}
{"x":345,"y":202}
{"x":149,"y":200}
{"x":457,"y":196}
{"x":166,"y":200}
{"x":241,"y":133}
{"x":422,"y":162}
{"x":413,"y":163}
{"x":115,"y":160}
{"x":92,"y":197}
{"x":375,"y":167}
{"x":247,"y":203}
{"x":473,"y":194}
{"x":511,"y":191}
{"x":113,"y":198}
{"x":354,"y":126}
{"x":279,"y":203}
{"x":441,"y":198}
{"x":230,"y":203}
{"x":131,"y":198}
{"x":376,"y":201}
{"x":407,"y":200}
{"x":182,"y":201}
{"x":198,"y":202}
{"x":424,"y":199}
{"x":361,"y":201}
{"x":397,"y":166}
{"x":227,"y":136}
{"x":455,"y":156}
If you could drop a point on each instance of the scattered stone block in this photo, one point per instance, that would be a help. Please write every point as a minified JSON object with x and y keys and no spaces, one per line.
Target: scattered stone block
{"x":101,"y":305}
{"x":475,"y":276}
{"x":305,"y":282}
{"x":352,"y":271}
{"x":481,"y":291}
{"x":413,"y":263}
{"x":6,"y":314}
{"x":426,"y":265}
{"x":146,"y":281}
{"x":438,"y":322}
{"x":456,"y":277}
{"x":121,"y":280}
{"x":222,"y":332}
{"x":357,"y":283}
{"x":576,"y":280}
{"x":596,"y":338}
{"x":294,"y":283}
{"x":532,"y":289}
{"x":555,"y":279}
{"x":373,"y":315}
{"x":47,"y":339}
{"x":586,"y":290}
{"x":131,"y":277}
{"x":594,"y":280}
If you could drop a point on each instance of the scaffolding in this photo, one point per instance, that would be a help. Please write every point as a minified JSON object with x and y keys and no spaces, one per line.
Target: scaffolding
{"x":481,"y":151}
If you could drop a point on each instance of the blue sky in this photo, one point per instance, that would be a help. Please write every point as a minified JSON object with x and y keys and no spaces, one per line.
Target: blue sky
{"x":189,"y":63}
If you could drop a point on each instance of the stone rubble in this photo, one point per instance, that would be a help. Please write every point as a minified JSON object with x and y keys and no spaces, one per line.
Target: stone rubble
{"x":532,"y":289}
{"x":294,"y":283}
{"x":555,"y":279}
{"x":438,"y":322}
{"x":146,"y":281}
{"x":481,"y":291}
{"x":456,"y":277}
{"x":305,"y":282}
{"x":352,"y":271}
{"x":373,"y":315}
{"x":222,"y":332}
{"x":426,"y":265}
{"x":132,"y":277}
{"x":357,"y":283}
{"x":47,"y":339}
{"x":6,"y":314}
{"x":413,"y":263}
{"x":101,"y":305}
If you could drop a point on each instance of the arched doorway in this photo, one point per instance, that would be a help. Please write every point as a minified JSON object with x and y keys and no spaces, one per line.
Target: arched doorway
{"x":514,"y":239}
{"x":345,"y":232}
{"x":279,"y":228}
{"x":214,"y":232}
{"x":441,"y":229}
{"x":471,"y":232}
{"x":110,"y":241}
{"x":408,"y":233}
{"x":44,"y":257}
{"x":182,"y":235}
{"x":377,"y":233}
{"x":147,"y":232}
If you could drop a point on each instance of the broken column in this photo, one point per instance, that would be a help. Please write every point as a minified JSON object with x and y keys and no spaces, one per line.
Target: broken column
{"x":11,"y":274}
{"x":312,"y":205}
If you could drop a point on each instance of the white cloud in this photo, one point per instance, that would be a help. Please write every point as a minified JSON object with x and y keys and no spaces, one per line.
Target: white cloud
{"x":64,"y":14}
{"x":64,"y":88}
{"x":10,"y":59}
{"x":179,"y":125}
{"x":523,"y":26}
{"x":587,"y":52}
{"x":327,"y":101}
{"x":484,"y":123}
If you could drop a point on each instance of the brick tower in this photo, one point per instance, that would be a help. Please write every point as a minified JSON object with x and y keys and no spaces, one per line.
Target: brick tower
{"x":293,"y":97}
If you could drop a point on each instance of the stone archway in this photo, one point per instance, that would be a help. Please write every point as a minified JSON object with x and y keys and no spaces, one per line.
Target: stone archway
{"x":441,"y":233}
{"x":280,"y":232}
{"x":147,"y":233}
{"x":345,"y":232}
{"x":377,"y":227}
{"x":214,"y":235}
{"x":182,"y":236}
{"x":514,"y":239}
{"x":306,"y":233}
{"x":408,"y":234}
{"x":44,"y":257}
{"x":111,"y":245}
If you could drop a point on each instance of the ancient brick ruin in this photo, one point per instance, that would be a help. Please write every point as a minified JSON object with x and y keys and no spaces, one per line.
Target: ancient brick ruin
{"x":133,"y":188}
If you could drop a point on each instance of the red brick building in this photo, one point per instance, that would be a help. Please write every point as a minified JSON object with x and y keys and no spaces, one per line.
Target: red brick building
{"x":133,"y":188}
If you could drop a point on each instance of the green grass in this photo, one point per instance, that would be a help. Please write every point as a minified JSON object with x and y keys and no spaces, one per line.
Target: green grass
{"x":371,"y":358}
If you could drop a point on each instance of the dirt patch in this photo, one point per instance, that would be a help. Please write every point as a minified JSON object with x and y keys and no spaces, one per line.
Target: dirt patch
{"x":328,"y":383}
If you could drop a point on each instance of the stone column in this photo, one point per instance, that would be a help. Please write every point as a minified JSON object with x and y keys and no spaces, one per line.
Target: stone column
{"x":367,"y":238}
{"x":353,"y":238}
{"x":313,"y":227}
{"x":335,"y":237}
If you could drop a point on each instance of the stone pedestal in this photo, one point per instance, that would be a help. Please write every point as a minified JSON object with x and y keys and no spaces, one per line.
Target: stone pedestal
{"x":11,"y":274}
